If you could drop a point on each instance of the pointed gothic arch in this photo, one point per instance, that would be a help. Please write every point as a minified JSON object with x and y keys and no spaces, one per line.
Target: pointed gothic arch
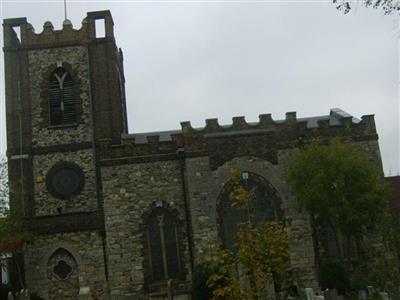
{"x":62,"y":103}
{"x":265,"y":205}
{"x":63,"y":275}
{"x":163,"y":244}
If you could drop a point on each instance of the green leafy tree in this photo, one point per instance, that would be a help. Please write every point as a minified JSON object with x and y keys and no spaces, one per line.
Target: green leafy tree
{"x":388,"y":6}
{"x":339,"y":186}
{"x":261,"y":256}
{"x":12,"y":237}
{"x":342,"y":190}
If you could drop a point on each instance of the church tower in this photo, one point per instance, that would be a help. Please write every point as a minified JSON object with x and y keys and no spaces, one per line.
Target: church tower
{"x":64,"y":96}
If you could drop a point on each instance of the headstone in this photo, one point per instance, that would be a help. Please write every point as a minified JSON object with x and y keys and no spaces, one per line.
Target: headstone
{"x":84,"y":293}
{"x":10,"y":296}
{"x":318,"y":291}
{"x":310,"y":294}
{"x":370,"y":291}
{"x":319,"y":297}
{"x":384,"y":295}
{"x":24,"y":295}
{"x":270,"y":288}
{"x":170,"y":290}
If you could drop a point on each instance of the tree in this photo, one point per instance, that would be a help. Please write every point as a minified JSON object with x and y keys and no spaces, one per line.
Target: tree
{"x":337,"y":184}
{"x":12,"y":237}
{"x":261,"y":256}
{"x":388,"y":6}
{"x":341,"y":189}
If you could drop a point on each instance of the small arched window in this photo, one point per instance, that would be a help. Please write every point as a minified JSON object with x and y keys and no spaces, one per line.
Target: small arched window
{"x":162,"y":243}
{"x":61,"y":98}
{"x":63,"y":275}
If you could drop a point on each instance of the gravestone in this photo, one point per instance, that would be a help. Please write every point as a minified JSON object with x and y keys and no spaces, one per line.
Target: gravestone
{"x":270,"y":289}
{"x":24,"y":295}
{"x":310,"y":294}
{"x":84,"y":293}
{"x":384,"y":295}
{"x":370,"y":291}
{"x":10,"y":296}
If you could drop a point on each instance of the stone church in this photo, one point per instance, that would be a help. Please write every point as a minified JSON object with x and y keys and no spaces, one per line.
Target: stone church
{"x":124,"y":213}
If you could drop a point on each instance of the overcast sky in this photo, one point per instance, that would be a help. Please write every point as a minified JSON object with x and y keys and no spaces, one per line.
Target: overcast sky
{"x":197,"y":60}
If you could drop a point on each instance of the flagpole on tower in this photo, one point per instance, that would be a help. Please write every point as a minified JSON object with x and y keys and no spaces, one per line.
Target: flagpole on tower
{"x":65,"y":9}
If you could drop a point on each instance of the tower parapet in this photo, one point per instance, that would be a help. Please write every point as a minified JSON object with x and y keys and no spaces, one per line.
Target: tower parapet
{"x":50,"y":37}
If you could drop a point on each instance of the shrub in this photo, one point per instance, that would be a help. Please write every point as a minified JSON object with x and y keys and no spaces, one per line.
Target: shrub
{"x":201,"y":273}
{"x":333,"y":275}
{"x":4,"y":289}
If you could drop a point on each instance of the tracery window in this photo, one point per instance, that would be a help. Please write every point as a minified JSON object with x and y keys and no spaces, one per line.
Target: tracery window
{"x":265,"y":205}
{"x":61,"y":98}
{"x":162,"y":243}
{"x":62,"y":275}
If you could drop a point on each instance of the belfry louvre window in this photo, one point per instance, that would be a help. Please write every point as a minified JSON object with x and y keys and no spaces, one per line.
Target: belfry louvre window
{"x":61,"y":98}
{"x":162,"y":245}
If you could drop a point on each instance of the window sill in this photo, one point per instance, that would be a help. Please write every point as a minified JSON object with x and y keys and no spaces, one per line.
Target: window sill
{"x":62,"y":126}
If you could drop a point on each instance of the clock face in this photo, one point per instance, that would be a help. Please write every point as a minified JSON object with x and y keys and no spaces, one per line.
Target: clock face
{"x":65,"y":180}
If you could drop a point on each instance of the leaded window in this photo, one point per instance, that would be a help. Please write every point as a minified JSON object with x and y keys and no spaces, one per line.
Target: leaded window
{"x":162,"y":238}
{"x":61,"y":98}
{"x":265,"y":205}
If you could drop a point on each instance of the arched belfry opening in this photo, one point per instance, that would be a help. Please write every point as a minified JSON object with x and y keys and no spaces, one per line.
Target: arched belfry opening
{"x":265,"y":205}
{"x":62,"y":104}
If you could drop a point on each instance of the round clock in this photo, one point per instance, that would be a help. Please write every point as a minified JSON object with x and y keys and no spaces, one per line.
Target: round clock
{"x":65,"y":180}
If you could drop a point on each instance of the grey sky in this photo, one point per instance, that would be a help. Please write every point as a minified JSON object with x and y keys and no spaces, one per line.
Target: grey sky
{"x":197,"y":60}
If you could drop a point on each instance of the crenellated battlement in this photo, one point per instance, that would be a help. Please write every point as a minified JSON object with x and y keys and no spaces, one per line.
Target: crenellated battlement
{"x":50,"y":37}
{"x":221,"y":143}
{"x":336,"y":118}
{"x":277,"y":134}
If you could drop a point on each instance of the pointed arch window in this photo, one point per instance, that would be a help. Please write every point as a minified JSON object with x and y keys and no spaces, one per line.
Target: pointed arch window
{"x":265,"y":205}
{"x":62,"y":107}
{"x":162,"y":243}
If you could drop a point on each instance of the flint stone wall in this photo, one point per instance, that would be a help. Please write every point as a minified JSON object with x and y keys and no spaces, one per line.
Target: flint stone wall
{"x":130,"y":191}
{"x":41,"y":63}
{"x":205,"y":186}
{"x":45,"y":202}
{"x":87,"y":250}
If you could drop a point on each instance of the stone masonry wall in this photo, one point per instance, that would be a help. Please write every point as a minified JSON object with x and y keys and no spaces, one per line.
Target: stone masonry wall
{"x":41,"y":63}
{"x":205,"y":185}
{"x":85,"y":248}
{"x":129,"y":192}
{"x":46,"y":203}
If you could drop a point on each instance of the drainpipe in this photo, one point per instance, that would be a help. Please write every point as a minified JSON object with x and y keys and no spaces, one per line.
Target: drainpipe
{"x":180,"y":154}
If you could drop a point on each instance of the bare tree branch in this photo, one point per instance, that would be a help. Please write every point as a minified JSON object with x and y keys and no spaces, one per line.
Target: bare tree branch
{"x":388,"y":6}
